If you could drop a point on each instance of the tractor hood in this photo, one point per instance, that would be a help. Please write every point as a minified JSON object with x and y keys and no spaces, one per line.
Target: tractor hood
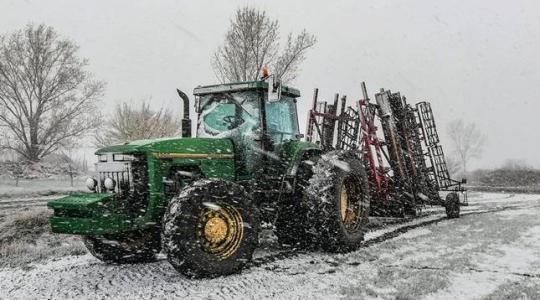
{"x":178,"y":146}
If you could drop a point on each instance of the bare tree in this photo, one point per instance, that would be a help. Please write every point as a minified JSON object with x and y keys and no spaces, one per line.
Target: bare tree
{"x":7,"y":155}
{"x":467,"y":141}
{"x":129,"y":123}
{"x":454,"y":165}
{"x":47,"y":98}
{"x":252,"y":43}
{"x":16,"y":171}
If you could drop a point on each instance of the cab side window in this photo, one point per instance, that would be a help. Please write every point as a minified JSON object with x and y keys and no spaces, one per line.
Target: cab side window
{"x":281,"y":120}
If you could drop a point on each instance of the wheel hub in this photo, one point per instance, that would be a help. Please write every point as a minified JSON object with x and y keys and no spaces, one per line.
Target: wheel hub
{"x":215,"y":230}
{"x":221,"y":231}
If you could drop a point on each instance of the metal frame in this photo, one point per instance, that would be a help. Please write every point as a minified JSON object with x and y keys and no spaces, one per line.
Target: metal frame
{"x":410,"y":146}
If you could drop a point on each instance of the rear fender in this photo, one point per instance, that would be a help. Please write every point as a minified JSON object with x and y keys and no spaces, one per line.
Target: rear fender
{"x":294,"y":152}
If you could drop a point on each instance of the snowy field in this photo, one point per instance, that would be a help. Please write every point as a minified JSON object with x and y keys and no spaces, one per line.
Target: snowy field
{"x":491,"y":252}
{"x":56,"y":184}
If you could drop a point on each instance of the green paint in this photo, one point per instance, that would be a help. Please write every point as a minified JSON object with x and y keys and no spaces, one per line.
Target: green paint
{"x":97,"y":225}
{"x":292,"y":153}
{"x":85,"y":213}
{"x":183,"y":145}
{"x":81,"y":200}
{"x":101,"y":213}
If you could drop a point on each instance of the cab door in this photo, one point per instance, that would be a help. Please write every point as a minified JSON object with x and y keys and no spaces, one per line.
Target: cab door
{"x":281,"y":127}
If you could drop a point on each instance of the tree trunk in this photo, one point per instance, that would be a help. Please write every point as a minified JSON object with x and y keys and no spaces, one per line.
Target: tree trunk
{"x":71,"y":175}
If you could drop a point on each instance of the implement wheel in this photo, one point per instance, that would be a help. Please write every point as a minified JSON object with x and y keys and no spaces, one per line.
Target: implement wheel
{"x":211,"y":229}
{"x":131,"y":247}
{"x":452,"y":205}
{"x":339,"y":197}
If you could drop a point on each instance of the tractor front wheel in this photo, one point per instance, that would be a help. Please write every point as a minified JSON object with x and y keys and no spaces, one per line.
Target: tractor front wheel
{"x":210,"y":229}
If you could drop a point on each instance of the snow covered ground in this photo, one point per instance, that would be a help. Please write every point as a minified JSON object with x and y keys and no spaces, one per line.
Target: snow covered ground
{"x":492,"y":251}
{"x":57,"y":184}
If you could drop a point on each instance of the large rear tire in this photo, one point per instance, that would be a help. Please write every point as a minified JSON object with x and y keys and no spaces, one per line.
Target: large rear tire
{"x":339,"y":196}
{"x":210,"y":229}
{"x":131,"y":247}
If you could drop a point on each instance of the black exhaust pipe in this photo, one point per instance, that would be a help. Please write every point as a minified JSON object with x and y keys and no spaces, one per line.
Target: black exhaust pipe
{"x":186,"y":121}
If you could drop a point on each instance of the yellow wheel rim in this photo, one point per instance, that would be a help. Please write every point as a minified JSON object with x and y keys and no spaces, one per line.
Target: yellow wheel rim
{"x":350,"y":204}
{"x":215,"y":230}
{"x":221,"y":231}
{"x":344,"y":202}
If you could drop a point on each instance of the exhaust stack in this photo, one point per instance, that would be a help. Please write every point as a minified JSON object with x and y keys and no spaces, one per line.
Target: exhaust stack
{"x":186,"y":121}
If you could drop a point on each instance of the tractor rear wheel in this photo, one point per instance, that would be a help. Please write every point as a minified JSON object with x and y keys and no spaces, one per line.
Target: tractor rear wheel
{"x":210,"y":229}
{"x":339,"y":197}
{"x":452,"y":205}
{"x":132,"y":247}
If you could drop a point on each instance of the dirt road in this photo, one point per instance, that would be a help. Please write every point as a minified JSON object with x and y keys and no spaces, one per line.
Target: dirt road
{"x":492,"y":251}
{"x":10,"y":203}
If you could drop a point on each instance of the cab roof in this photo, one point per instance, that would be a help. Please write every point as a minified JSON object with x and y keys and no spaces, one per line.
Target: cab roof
{"x":242,"y":86}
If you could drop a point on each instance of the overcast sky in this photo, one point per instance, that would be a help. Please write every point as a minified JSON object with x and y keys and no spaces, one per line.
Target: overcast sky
{"x":475,"y":60}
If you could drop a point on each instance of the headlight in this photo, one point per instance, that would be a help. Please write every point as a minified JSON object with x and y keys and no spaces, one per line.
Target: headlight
{"x":109,"y":183}
{"x":102,"y":157}
{"x":91,"y":183}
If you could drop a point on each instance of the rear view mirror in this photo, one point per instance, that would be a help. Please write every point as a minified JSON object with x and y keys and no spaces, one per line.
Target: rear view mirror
{"x":274,"y":89}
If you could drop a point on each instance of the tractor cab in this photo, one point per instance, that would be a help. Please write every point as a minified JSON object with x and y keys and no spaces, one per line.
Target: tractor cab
{"x":257,"y":119}
{"x":245,"y":109}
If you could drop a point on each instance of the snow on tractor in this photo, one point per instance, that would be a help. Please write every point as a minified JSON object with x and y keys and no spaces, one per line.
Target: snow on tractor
{"x":201,"y":200}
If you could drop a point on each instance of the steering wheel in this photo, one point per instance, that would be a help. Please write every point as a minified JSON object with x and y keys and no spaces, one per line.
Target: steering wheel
{"x":231,"y":121}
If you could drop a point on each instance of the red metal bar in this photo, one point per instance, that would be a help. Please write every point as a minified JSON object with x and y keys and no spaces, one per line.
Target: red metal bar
{"x":372,"y":148}
{"x":311,"y":116}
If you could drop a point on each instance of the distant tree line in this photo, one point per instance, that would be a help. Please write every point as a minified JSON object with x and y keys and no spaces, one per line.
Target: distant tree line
{"x":53,"y":164}
{"x":512,"y":174}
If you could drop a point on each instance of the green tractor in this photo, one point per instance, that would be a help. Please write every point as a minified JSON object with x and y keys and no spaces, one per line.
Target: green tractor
{"x":202,"y":200}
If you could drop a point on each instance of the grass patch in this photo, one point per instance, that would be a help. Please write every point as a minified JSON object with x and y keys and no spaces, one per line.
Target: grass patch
{"x":421,"y":283}
{"x":25,"y":226}
{"x":527,"y":288}
{"x":26,"y":237}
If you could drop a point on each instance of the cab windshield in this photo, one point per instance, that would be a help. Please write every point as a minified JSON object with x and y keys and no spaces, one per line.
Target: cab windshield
{"x":229,"y":114}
